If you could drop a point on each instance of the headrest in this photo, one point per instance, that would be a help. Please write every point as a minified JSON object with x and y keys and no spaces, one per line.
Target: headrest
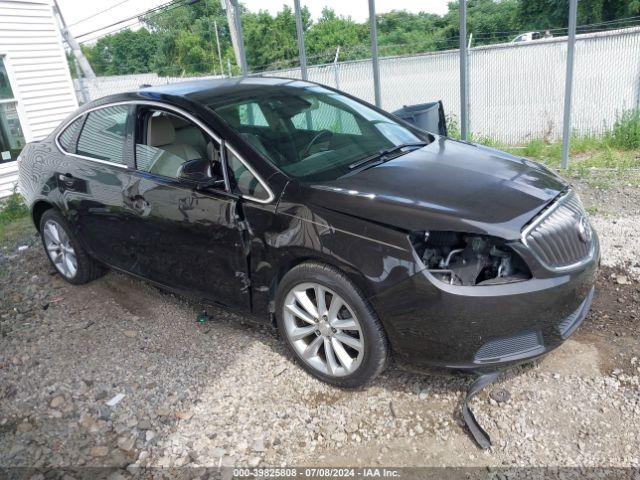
{"x":160,"y":131}
{"x":212,"y":152}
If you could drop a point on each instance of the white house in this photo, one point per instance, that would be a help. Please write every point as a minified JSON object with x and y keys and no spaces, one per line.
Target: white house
{"x":36,"y":90}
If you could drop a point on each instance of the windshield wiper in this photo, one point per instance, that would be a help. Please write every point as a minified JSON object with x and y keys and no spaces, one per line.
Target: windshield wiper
{"x":383,"y":154}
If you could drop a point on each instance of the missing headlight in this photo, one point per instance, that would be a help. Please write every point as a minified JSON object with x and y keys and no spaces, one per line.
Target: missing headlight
{"x":468,"y":259}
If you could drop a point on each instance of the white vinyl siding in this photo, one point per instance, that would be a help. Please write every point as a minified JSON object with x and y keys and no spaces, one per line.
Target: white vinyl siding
{"x":34,"y":56}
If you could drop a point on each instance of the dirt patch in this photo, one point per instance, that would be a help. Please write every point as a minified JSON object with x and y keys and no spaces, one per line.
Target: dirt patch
{"x":613,"y":324}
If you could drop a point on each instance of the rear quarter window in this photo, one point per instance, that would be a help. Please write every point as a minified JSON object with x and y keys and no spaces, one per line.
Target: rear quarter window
{"x":68,"y":139}
{"x":103,"y":134}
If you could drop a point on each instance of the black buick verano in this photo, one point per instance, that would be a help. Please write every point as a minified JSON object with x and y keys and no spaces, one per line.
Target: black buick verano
{"x":360,"y":235}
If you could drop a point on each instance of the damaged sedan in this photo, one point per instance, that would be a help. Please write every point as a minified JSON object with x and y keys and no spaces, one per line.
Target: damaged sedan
{"x":359,"y":236}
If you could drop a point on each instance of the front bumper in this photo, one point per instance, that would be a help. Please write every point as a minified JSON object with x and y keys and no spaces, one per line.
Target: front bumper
{"x":479,"y":328}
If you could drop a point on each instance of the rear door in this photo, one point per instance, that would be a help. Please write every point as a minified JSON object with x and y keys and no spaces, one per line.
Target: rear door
{"x":187,"y":237}
{"x":98,"y":168}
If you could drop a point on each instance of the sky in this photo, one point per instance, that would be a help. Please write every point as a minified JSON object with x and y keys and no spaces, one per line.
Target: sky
{"x":75,"y":11}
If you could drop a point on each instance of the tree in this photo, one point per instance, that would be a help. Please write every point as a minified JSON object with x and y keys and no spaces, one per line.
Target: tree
{"x":127,"y":52}
{"x":550,"y":14}
{"x":180,"y":39}
{"x":332,"y":31}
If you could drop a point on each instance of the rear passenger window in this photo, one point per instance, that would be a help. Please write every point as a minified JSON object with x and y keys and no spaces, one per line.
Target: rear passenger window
{"x":69,"y":136}
{"x":103,"y":135}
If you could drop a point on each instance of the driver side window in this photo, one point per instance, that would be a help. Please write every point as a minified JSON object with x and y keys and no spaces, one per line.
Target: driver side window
{"x":171,"y":146}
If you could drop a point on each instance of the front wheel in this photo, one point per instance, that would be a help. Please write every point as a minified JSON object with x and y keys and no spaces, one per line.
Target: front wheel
{"x":329,"y":326}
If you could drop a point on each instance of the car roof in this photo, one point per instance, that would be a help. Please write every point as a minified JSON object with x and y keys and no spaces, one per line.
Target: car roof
{"x":222,"y":87}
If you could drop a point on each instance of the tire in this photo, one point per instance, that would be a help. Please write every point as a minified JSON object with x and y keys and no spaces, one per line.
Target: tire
{"x":66,"y":252}
{"x":351,"y":333}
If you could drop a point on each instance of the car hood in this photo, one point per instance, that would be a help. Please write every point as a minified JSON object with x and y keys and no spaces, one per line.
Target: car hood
{"x":446,"y":185}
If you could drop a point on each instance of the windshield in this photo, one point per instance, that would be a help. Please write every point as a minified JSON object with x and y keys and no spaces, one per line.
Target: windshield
{"x":312,"y":133}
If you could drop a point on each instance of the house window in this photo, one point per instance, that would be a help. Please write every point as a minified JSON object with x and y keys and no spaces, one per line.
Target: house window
{"x":11,"y":136}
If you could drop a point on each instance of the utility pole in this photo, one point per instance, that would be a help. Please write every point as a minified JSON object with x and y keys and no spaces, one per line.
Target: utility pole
{"x":300,"y":33}
{"x":81,"y":83}
{"x":464,"y":82}
{"x":568,"y":83}
{"x":73,"y":45}
{"x":235,"y":29}
{"x":215,"y":26}
{"x":374,"y":52}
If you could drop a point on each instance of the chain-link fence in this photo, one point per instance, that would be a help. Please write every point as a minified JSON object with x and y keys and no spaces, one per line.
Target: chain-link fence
{"x":515,"y":90}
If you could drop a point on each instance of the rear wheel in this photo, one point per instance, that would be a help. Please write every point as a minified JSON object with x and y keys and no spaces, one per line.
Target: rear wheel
{"x":329,"y":326}
{"x":65,"y":252}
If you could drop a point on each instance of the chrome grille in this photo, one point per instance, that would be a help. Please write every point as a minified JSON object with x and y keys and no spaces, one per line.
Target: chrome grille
{"x":561,"y":236}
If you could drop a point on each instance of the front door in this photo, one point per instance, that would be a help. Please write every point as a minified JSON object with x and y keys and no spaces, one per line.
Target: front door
{"x":188,"y":236}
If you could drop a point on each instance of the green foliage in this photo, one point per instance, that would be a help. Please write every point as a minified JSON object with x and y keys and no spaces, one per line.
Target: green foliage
{"x":490,"y":21}
{"x":625,"y":133}
{"x":181,"y":40}
{"x":549,"y":14}
{"x":534,"y":148}
{"x":271,"y":42}
{"x":616,"y":153}
{"x":12,"y":208}
{"x":126,"y":52}
{"x":15,"y":222}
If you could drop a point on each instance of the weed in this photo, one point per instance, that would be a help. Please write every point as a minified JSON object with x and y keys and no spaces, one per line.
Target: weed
{"x":625,"y":133}
{"x":13,"y":208}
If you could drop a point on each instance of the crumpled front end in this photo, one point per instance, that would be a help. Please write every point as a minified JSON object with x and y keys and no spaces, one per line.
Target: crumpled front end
{"x":443,"y":317}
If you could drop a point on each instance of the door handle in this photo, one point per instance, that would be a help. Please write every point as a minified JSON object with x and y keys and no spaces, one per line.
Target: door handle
{"x":67,"y":179}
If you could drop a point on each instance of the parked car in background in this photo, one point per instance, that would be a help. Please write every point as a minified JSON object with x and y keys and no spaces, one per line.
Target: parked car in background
{"x":359,"y":235}
{"x":528,"y":37}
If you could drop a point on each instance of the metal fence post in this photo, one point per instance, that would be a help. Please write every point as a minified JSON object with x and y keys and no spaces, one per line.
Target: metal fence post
{"x":374,"y":52}
{"x":568,"y":83}
{"x":336,"y":76}
{"x":215,"y":26}
{"x":300,"y":32}
{"x":238,"y":24}
{"x":464,"y":90}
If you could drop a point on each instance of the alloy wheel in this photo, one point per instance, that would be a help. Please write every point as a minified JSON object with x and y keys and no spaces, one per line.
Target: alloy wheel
{"x":323,"y":329}
{"x":59,"y":249}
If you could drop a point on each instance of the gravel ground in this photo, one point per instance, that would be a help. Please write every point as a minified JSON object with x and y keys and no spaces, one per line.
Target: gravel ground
{"x":226,"y":392}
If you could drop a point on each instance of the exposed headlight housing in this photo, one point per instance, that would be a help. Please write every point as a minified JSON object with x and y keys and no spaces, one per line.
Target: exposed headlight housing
{"x":469,"y":259}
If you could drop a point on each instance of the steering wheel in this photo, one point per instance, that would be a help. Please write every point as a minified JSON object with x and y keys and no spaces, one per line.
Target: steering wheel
{"x":316,"y":137}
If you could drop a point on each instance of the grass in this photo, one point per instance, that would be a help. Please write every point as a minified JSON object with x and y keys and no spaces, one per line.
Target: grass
{"x":617,"y":152}
{"x":14,"y":220}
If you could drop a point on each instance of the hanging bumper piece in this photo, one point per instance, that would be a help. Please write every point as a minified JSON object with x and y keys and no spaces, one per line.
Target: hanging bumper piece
{"x":477,"y":432}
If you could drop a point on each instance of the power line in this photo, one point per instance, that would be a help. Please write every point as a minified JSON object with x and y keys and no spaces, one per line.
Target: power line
{"x":137,"y":16}
{"x":99,"y":13}
{"x":137,"y":20}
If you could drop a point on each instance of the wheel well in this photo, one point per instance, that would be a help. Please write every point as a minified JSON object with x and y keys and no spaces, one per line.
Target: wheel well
{"x":350,"y":273}
{"x":38,"y":210}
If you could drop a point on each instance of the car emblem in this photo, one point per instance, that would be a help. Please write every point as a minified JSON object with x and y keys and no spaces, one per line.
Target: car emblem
{"x":584,"y":230}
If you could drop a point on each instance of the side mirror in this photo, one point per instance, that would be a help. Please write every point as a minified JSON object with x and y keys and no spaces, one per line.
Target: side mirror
{"x":200,"y":173}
